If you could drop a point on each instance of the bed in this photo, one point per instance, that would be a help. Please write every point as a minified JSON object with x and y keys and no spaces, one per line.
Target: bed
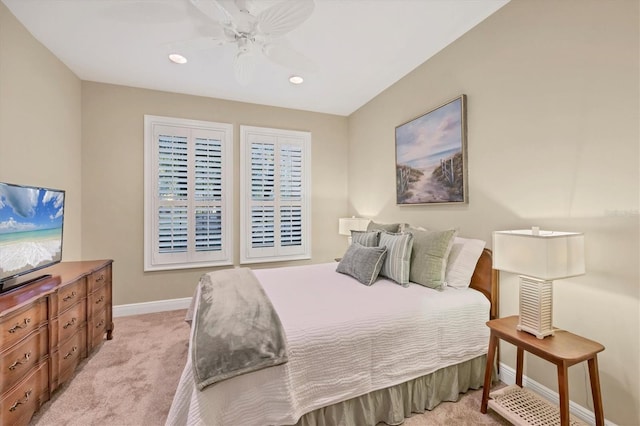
{"x":356,"y":354}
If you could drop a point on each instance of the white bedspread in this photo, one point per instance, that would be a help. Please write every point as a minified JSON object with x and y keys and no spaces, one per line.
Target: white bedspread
{"x":345,"y":340}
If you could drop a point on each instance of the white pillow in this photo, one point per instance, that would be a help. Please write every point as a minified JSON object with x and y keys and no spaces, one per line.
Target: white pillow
{"x":462,"y":261}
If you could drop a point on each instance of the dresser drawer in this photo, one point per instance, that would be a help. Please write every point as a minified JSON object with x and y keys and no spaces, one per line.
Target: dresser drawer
{"x":71,"y":320}
{"x":19,"y":324}
{"x":70,"y":294}
{"x":98,"y":300}
{"x":98,"y":279}
{"x":97,"y":328}
{"x":16,"y":363}
{"x":69,"y":355}
{"x":18,"y":406}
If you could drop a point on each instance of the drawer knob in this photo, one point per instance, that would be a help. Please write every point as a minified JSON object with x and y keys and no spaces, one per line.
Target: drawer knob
{"x":69,"y":297}
{"x":73,"y":350}
{"x":19,"y":402}
{"x":100,"y":324}
{"x":18,"y":326}
{"x":99,"y":300}
{"x":70,"y":323}
{"x":18,"y":362}
{"x":100,"y":278}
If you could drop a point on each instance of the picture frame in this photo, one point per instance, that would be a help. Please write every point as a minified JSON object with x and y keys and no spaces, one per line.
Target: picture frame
{"x":431,"y":156}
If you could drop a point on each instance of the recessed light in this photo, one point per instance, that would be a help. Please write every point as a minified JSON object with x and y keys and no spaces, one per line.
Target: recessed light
{"x":296,"y":79}
{"x":177,"y":58}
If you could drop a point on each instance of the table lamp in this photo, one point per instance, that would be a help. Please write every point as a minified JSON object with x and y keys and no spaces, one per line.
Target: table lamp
{"x":539,"y":257}
{"x":348,"y":224}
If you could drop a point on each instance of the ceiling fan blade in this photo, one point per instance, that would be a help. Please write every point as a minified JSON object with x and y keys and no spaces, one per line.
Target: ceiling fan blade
{"x":283,"y":17}
{"x":285,"y":55}
{"x":243,"y":65}
{"x":214,"y":10}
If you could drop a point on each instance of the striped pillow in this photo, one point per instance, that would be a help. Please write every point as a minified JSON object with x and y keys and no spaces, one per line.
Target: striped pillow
{"x":397,"y":264}
{"x":367,"y":239}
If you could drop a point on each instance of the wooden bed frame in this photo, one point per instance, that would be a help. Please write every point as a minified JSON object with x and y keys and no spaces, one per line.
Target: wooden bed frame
{"x":485,"y":280}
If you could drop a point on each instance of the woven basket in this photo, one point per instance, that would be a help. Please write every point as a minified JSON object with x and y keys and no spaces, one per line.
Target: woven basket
{"x":522,"y":407}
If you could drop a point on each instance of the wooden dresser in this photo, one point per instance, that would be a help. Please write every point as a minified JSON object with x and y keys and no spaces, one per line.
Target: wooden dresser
{"x":46,"y":329}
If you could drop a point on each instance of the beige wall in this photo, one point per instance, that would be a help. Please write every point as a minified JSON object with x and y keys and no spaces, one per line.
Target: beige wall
{"x":40,"y":122}
{"x":553,"y":141}
{"x":112,"y":175}
{"x":553,"y":138}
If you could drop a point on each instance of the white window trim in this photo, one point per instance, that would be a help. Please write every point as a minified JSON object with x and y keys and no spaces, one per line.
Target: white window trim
{"x":247,"y":254}
{"x":225,"y":256}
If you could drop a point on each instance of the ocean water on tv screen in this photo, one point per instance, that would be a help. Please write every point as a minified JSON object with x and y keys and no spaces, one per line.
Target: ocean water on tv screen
{"x":31,"y":221}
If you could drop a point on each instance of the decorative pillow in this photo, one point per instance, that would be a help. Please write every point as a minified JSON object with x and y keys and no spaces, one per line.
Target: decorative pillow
{"x":362,"y":263}
{"x":429,"y":257}
{"x":462,"y":261}
{"x":365,"y":238}
{"x":389,"y":227}
{"x":396,"y":265}
{"x":405,"y":227}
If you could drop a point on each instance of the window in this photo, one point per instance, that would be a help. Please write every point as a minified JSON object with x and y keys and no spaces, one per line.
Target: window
{"x":188,"y":193}
{"x":275,"y":176}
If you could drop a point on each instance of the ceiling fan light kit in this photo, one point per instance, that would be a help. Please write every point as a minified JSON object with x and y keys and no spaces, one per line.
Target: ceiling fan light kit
{"x":261,"y":33}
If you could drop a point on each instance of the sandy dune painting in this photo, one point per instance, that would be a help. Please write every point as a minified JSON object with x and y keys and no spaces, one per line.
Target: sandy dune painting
{"x":431,"y":156}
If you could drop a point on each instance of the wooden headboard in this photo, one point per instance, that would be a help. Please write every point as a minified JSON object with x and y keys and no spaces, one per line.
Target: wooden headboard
{"x":485,"y":280}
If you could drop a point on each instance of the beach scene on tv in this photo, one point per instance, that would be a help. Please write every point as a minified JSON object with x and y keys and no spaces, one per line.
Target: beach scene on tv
{"x":30,"y":228}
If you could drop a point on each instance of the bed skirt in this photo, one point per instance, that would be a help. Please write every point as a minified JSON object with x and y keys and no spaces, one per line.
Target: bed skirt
{"x":391,"y":405}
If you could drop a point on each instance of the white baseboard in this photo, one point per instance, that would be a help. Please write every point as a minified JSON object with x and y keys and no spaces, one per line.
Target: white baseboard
{"x":508,"y":376}
{"x":151,"y":307}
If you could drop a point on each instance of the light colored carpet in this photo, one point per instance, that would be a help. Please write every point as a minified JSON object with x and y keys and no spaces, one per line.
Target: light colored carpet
{"x":131,"y":380}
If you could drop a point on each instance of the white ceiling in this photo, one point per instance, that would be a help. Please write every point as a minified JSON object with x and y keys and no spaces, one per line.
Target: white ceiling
{"x":361,"y":47}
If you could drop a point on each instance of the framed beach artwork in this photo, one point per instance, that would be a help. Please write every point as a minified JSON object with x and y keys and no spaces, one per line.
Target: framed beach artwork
{"x":431,"y":156}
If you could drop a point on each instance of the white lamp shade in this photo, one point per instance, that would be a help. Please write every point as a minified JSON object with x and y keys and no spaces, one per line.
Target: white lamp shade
{"x":348,"y":224}
{"x":545,"y":255}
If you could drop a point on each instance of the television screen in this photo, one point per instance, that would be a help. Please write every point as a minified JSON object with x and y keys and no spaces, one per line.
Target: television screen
{"x":31,"y":220}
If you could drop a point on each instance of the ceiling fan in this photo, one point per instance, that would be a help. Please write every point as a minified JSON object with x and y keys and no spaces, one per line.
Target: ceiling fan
{"x":253,"y":32}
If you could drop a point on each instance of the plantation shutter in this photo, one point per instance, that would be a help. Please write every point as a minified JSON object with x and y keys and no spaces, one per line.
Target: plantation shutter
{"x":291,"y":161}
{"x":263,"y":180}
{"x":187,"y":183}
{"x":275,"y":172}
{"x":172,"y":193}
{"x":208,"y":194}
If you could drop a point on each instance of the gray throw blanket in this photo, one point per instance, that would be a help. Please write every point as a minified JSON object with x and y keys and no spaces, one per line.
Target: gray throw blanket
{"x":235,"y":328}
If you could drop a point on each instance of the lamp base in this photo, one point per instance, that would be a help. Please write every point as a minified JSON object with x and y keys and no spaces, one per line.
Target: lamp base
{"x":536,"y":307}
{"x":539,"y":335}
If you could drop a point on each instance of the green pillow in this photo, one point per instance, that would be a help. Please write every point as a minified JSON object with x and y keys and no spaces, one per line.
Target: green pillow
{"x":389,"y":227}
{"x":429,"y":257}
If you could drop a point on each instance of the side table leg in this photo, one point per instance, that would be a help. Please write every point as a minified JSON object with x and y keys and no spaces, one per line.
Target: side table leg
{"x":563,"y":391}
{"x":491,"y":355}
{"x":519,"y":366}
{"x":595,"y":390}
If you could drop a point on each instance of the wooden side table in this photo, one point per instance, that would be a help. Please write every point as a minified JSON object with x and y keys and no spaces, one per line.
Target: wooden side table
{"x":564,"y":350}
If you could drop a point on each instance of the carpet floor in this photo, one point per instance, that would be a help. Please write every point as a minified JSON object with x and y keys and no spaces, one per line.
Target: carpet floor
{"x":131,"y":379}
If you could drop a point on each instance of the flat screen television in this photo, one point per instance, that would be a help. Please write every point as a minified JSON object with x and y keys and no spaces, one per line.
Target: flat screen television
{"x":31,"y":220}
